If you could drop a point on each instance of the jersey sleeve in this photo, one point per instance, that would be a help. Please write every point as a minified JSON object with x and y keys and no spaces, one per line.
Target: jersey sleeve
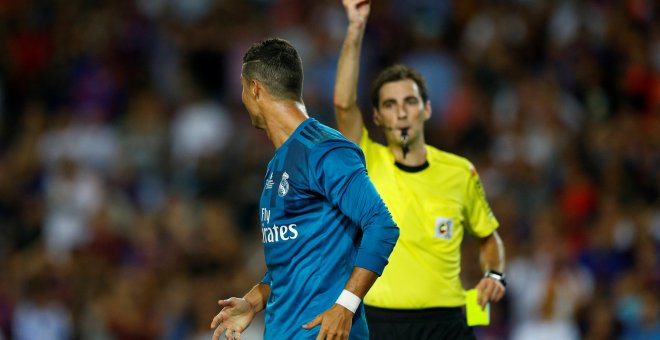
{"x":481,"y":220}
{"x":267,"y":279}
{"x":341,"y":176}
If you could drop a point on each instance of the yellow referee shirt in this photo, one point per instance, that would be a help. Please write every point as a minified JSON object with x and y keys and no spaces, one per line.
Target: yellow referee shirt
{"x":432,"y":208}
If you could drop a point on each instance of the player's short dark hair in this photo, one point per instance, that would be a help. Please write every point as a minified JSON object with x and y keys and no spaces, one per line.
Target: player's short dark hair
{"x":397,"y":72}
{"x":277,"y":65}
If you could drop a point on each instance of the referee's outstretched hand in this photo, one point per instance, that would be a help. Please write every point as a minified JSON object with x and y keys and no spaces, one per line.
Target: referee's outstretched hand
{"x":489,"y":289}
{"x":335,"y":323}
{"x":357,"y":10}
{"x":235,"y":317}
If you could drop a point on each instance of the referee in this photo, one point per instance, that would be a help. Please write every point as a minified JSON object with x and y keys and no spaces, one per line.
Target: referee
{"x":434,"y":197}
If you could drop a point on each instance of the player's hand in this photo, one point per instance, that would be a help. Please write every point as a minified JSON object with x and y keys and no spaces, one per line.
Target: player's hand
{"x":234,"y":318}
{"x":335,"y":323}
{"x":357,"y":10}
{"x":489,"y":289}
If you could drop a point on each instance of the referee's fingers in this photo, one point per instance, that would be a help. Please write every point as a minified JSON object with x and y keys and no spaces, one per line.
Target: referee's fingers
{"x":499,"y":292}
{"x":485,"y":294}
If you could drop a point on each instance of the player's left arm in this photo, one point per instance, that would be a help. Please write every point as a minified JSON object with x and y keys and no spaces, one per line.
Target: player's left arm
{"x":342,"y":178}
{"x":483,"y":225}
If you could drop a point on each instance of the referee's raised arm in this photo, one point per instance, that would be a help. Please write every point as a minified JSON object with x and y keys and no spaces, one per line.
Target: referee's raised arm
{"x":348,"y":114}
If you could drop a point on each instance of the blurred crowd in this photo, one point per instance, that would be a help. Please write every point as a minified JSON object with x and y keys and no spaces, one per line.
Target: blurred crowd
{"x":130,"y":173}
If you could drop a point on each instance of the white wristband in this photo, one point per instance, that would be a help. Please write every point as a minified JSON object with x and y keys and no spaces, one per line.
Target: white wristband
{"x":349,"y":300}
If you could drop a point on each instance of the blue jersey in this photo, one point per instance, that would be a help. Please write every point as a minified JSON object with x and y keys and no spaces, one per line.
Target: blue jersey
{"x":320,"y":217}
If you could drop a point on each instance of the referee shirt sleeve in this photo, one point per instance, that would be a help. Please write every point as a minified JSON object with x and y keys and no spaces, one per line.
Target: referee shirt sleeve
{"x":482,"y":222}
{"x":342,"y":177}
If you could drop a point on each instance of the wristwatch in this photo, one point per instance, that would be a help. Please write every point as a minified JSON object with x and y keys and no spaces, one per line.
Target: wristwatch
{"x":497,"y":276}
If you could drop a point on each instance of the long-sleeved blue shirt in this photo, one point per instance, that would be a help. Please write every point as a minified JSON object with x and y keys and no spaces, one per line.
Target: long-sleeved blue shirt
{"x":320,"y":217}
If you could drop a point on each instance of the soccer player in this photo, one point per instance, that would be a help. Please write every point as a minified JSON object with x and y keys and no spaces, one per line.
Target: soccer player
{"x":326,"y":232}
{"x":434,"y":196}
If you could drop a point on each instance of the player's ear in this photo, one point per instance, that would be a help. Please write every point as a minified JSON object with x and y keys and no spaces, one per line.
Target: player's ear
{"x":255,"y":88}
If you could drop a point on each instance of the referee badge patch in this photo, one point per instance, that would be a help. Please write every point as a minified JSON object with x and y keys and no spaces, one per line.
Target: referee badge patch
{"x":444,"y":228}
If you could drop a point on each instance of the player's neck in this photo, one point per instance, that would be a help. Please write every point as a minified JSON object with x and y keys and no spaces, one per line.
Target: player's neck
{"x":282,"y":118}
{"x":415,"y":156}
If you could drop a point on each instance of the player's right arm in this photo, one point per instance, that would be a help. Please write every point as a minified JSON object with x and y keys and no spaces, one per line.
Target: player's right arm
{"x":347,"y":112}
{"x":237,"y":313}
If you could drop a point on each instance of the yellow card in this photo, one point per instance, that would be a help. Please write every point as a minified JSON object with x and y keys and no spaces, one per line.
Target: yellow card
{"x":475,"y":315}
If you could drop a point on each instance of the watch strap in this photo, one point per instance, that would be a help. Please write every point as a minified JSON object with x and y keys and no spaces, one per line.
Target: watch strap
{"x":497,"y":276}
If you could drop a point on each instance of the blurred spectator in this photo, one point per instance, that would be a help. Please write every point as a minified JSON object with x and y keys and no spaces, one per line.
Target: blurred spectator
{"x":72,"y":195}
{"x":547,"y":288}
{"x":601,"y":322}
{"x":199,"y":129}
{"x":87,"y":141}
{"x":39,"y":315}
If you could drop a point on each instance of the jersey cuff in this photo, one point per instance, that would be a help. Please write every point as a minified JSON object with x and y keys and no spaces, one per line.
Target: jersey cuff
{"x":371,"y":262}
{"x":266,"y":279}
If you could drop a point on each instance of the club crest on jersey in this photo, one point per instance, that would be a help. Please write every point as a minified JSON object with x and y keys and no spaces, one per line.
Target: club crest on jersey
{"x":444,"y":228}
{"x":283,"y":189}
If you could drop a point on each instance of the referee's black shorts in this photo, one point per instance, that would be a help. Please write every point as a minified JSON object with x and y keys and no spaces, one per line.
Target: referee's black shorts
{"x":432,"y":323}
